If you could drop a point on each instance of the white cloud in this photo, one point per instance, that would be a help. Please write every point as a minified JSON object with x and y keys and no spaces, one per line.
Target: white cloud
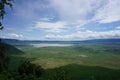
{"x":46,"y":19}
{"x":59,"y":26}
{"x":103,"y":11}
{"x":13,"y":36}
{"x":86,"y":35}
{"x":75,"y":9}
{"x":109,"y":13}
{"x":50,"y":25}
{"x":56,"y":30}
{"x":118,"y":27}
{"x":54,"y":27}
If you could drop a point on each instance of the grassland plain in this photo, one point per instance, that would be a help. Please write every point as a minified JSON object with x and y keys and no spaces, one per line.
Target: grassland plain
{"x":82,"y":62}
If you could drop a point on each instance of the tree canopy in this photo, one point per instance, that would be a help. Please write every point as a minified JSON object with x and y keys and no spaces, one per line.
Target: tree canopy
{"x":3,"y":4}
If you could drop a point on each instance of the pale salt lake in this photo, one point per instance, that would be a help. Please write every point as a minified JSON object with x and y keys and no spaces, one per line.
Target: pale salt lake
{"x":50,"y":45}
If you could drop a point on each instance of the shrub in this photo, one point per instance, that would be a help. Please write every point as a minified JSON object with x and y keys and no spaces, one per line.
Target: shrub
{"x":28,"y":68}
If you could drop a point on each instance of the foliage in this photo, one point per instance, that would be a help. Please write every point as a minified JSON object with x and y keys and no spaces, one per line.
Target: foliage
{"x":4,"y":60}
{"x":26,"y":71}
{"x":60,"y":74}
{"x":30,"y":69}
{"x":14,"y":75}
{"x":4,"y":3}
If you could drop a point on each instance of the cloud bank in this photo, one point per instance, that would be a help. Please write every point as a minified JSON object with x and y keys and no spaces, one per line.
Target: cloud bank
{"x":86,"y":35}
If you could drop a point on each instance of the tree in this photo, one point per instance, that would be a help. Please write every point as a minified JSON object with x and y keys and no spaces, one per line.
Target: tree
{"x":30,"y":69}
{"x":4,"y":3}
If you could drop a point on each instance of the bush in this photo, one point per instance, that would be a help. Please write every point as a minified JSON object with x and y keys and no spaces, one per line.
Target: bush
{"x":28,"y":68}
{"x":60,"y":74}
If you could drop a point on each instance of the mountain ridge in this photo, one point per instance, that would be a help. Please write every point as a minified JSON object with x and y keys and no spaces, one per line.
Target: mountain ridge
{"x":25,"y":42}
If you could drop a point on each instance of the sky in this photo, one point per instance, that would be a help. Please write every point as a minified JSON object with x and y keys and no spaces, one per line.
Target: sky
{"x":62,"y":20}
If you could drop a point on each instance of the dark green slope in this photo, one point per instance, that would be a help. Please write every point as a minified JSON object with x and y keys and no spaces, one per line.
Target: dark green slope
{"x":9,"y":49}
{"x":13,"y":53}
{"x":80,"y":72}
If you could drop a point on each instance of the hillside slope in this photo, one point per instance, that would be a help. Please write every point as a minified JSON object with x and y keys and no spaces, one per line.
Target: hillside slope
{"x":9,"y":49}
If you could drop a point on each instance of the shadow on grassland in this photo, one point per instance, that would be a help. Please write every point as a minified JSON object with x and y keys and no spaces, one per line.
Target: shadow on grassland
{"x":79,"y":72}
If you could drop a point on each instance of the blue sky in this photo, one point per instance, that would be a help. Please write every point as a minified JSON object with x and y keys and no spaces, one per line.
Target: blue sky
{"x":62,"y":20}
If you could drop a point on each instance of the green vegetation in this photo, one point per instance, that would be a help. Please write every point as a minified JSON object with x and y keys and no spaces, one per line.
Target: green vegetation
{"x":80,"y":62}
{"x":104,"y":55}
{"x":3,"y":4}
{"x":18,"y":70}
{"x":4,"y":59}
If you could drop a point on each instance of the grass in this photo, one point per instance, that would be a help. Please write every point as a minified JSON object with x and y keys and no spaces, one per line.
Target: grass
{"x":91,"y":54}
{"x":83,"y":62}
